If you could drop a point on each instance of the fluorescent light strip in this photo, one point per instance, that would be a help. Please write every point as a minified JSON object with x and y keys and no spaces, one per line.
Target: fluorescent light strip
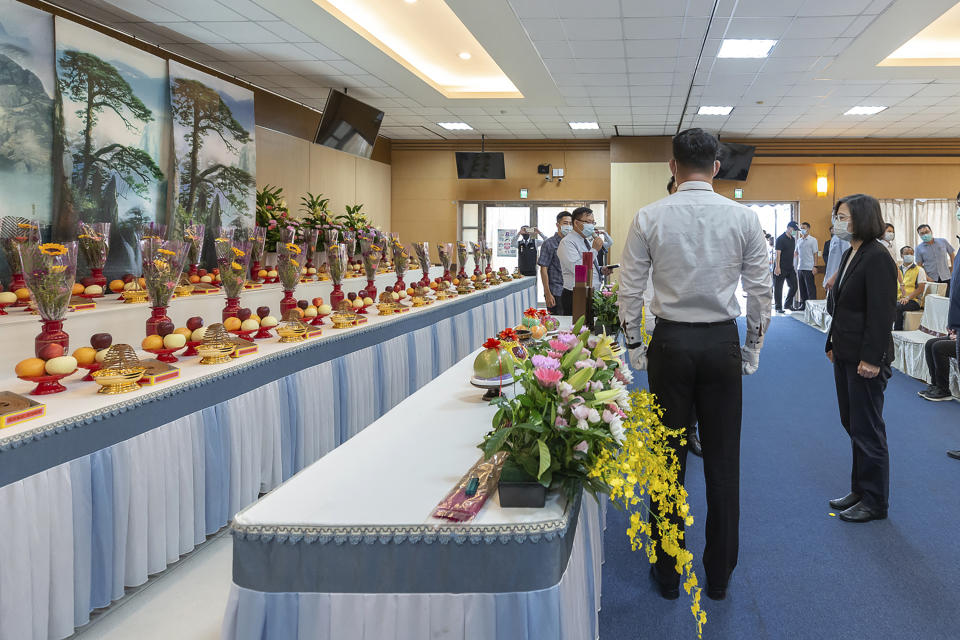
{"x":863,"y":111}
{"x":714,"y":111}
{"x":745,"y":48}
{"x":455,"y":126}
{"x":584,"y":125}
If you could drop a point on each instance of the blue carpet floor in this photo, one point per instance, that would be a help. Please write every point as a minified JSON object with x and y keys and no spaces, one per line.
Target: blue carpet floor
{"x":801,"y":573}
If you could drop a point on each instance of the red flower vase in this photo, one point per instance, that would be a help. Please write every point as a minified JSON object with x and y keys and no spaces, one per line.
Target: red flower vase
{"x":447,"y":276}
{"x":462,"y":273}
{"x":425,"y":280}
{"x":51,"y":333}
{"x":193,"y":270}
{"x":370,"y":291}
{"x":476,"y":270}
{"x":232,"y":308}
{"x":400,"y":285}
{"x":488,"y":269}
{"x":157,"y":315}
{"x":336,"y":297}
{"x":97,"y":277}
{"x":254,"y":270}
{"x":287,"y":303}
{"x":18,"y":282}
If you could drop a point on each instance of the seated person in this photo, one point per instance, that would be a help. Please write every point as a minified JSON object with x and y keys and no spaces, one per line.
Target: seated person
{"x":938,"y":352}
{"x":912,"y":280}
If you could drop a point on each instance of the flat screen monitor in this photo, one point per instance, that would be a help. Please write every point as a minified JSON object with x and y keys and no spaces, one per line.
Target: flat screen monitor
{"x":349,"y":125}
{"x":475,"y":165}
{"x":735,"y":161}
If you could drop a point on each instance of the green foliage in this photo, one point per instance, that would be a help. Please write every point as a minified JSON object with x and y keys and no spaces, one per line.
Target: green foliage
{"x":606,"y":307}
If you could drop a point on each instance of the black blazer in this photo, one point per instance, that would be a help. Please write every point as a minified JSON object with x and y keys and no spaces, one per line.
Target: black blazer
{"x":864,"y":306}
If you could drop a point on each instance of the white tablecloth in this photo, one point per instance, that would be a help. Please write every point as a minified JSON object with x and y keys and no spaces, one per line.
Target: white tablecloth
{"x":815,"y":314}
{"x":935,"y":310}
{"x":380,"y":489}
{"x":73,"y":536}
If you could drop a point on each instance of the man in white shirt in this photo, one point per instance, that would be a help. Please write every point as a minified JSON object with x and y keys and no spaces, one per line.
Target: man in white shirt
{"x":700,"y":245}
{"x":585,"y":237}
{"x":806,"y":255}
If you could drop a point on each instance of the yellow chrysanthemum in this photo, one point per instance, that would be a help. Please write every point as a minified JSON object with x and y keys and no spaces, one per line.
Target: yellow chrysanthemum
{"x":236,"y":266}
{"x":292,"y":248}
{"x":166,"y":252}
{"x":161,"y":265}
{"x":24,"y":225}
{"x":58,"y":268}
{"x":53,"y":249}
{"x":238,"y":252}
{"x":218,"y":239}
{"x":294,"y":263}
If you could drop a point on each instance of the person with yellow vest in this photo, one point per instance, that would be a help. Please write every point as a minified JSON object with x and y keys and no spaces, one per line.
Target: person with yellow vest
{"x":910,"y":290}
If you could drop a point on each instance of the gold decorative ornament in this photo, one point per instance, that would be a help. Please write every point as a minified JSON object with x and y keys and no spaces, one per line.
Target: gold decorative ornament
{"x":217,"y":345}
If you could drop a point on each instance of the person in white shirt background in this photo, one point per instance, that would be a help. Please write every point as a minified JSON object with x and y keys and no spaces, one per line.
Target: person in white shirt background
{"x":935,"y":255}
{"x":699,"y":245}
{"x":806,"y":255}
{"x":584,"y":237}
{"x":889,"y":241}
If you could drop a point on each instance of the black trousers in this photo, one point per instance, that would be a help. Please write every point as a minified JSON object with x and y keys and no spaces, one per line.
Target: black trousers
{"x":695,"y":373}
{"x":861,"y":414}
{"x":558,"y":309}
{"x":902,"y":308}
{"x":938,"y":352}
{"x":566,"y":301}
{"x":808,"y":287}
{"x":791,"y":279}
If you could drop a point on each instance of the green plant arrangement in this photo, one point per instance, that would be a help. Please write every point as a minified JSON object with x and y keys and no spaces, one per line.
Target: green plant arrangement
{"x":606,"y":309}
{"x":273,"y":215}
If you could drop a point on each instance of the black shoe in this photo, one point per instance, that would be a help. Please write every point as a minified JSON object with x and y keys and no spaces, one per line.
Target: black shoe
{"x":936,"y":395}
{"x":930,"y":387}
{"x":668,"y":593}
{"x":693,"y":445}
{"x":716,"y":593}
{"x":954,"y":454}
{"x":779,"y":310}
{"x":862,"y":513}
{"x":844,"y":503}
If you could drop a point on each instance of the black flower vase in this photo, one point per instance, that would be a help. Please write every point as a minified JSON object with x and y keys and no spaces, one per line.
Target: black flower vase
{"x":518,"y":489}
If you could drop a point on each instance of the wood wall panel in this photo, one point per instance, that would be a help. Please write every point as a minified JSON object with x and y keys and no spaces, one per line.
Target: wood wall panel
{"x":632,"y":186}
{"x":373,"y":184}
{"x":285,"y":161}
{"x":334,"y":174}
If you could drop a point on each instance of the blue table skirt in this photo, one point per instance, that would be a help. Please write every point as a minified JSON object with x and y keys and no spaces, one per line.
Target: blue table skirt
{"x":76,"y":534}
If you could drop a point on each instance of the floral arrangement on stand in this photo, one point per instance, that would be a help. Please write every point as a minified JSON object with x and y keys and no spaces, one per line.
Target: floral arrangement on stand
{"x":258,"y":239}
{"x":310,"y":241}
{"x":233,"y":253}
{"x":422,"y":249}
{"x":290,"y":263}
{"x":94,"y":243}
{"x":575,"y":426}
{"x":17,"y":233}
{"x":337,"y":264}
{"x":477,"y":254}
{"x":163,"y":262}
{"x":445,"y":253}
{"x":487,"y":256}
{"x":400,"y":261}
{"x":273,"y":215}
{"x":462,"y":259}
{"x":606,"y":309}
{"x":371,"y":252}
{"x":193,"y":236}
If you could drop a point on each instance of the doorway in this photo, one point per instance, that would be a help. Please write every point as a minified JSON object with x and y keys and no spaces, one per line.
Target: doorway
{"x":773,"y":216}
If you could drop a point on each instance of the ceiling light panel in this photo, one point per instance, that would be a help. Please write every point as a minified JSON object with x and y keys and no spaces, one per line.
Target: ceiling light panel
{"x":427,"y":38}
{"x":734,"y":48}
{"x":714,"y":111}
{"x":584,"y":125}
{"x":455,"y":126}
{"x":937,"y":45}
{"x":863,"y":111}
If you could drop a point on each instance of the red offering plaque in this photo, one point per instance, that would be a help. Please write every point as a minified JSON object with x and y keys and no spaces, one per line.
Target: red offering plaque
{"x":15,"y":409}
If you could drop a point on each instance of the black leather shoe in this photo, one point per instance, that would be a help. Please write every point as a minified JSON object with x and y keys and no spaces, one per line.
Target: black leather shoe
{"x":954,"y":454}
{"x":861,"y":513}
{"x":668,"y":593}
{"x":844,"y":503}
{"x":693,"y":445}
{"x":716,"y":593}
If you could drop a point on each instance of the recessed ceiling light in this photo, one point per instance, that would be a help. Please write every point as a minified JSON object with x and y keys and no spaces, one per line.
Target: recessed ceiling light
{"x":465,"y":55}
{"x":863,"y":111}
{"x":714,"y":111}
{"x":745,"y":48}
{"x":453,"y":126}
{"x":410,"y":1}
{"x":584,"y":125}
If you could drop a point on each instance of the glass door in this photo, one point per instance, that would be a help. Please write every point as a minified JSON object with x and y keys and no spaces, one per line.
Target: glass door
{"x":501,"y":225}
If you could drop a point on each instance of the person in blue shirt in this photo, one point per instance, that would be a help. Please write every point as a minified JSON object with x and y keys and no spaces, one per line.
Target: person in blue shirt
{"x":935,"y":255}
{"x":550,"y":272}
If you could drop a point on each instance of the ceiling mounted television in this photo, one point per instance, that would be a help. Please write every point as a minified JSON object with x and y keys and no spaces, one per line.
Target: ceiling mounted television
{"x":734,"y":160}
{"x":349,"y":125}
{"x":480,"y":165}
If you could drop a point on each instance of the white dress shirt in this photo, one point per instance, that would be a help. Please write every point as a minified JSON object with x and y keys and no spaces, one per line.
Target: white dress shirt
{"x":807,"y":247}
{"x":570,"y":253}
{"x":837,"y":249}
{"x":699,"y":245}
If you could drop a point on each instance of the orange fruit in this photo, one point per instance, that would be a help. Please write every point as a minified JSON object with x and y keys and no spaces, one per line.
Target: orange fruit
{"x":232,"y":323}
{"x":22,"y":293}
{"x":30,"y":367}
{"x":116,"y":285}
{"x":77,"y":288}
{"x":143,"y":283}
{"x":194,"y":279}
{"x":184,"y":332}
{"x":152,"y":342}
{"x":85,"y":355}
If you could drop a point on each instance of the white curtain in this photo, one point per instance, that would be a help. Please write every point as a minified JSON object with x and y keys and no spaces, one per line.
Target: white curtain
{"x":902,"y":215}
{"x":940,"y":214}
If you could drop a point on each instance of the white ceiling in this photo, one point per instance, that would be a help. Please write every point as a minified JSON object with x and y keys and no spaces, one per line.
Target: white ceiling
{"x":627,"y":64}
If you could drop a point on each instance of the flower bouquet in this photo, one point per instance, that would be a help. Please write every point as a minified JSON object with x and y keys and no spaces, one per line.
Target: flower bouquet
{"x":477,"y":254}
{"x":193,"y":236}
{"x":606,"y":310}
{"x":576,"y":427}
{"x":487,"y":256}
{"x":422,"y":249}
{"x":273,"y":215}
{"x":258,"y":238}
{"x":462,"y":259}
{"x":233,"y":252}
{"x":290,"y":264}
{"x":445,"y":253}
{"x":310,"y":237}
{"x":350,"y":241}
{"x":400,"y":261}
{"x":163,"y":262}
{"x":50,"y":271}
{"x":94,"y":239}
{"x":371,"y":252}
{"x":17,"y":233}
{"x":337,"y":265}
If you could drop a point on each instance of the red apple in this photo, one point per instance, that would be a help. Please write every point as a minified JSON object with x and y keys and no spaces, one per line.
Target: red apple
{"x":201,"y":272}
{"x":100,"y":341}
{"x":388,"y":289}
{"x":263,"y":312}
{"x":88,"y":281}
{"x":165,"y":328}
{"x":244,"y":313}
{"x":50,"y":351}
{"x":317,"y":302}
{"x":303,"y":304}
{"x":216,"y":272}
{"x":194,"y":323}
{"x":352,"y":296}
{"x":128,"y":277}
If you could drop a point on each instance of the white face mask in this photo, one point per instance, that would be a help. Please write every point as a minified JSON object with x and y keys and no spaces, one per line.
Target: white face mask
{"x":565,"y":229}
{"x":840,"y":230}
{"x":888,"y":236}
{"x":908,"y":258}
{"x":804,"y":232}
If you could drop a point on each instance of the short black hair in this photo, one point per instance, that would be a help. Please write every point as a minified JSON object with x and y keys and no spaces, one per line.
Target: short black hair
{"x":793,"y":225}
{"x":889,"y":225}
{"x":695,"y":149}
{"x":580,"y":212}
{"x":923,"y":226}
{"x":563,"y":214}
{"x":805,"y":224}
{"x":906,"y":246}
{"x":865,"y":216}
{"x":671,"y":184}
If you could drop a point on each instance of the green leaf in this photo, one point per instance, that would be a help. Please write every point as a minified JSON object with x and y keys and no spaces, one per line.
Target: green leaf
{"x":603,"y":397}
{"x":544,"y":458}
{"x":578,"y":325}
{"x":571,"y":357}
{"x":495,"y":442}
{"x":579,"y":379}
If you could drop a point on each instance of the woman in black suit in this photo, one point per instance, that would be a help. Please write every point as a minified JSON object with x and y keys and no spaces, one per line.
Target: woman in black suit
{"x":860,"y":345}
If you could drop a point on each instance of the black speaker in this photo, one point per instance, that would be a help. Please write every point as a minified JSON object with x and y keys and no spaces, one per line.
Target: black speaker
{"x":544,"y":169}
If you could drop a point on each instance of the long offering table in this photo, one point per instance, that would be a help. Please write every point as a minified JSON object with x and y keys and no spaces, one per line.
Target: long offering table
{"x":104,"y":491}
{"x":347,"y":548}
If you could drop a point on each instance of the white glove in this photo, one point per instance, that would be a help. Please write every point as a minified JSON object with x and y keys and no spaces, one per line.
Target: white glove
{"x":638,"y":358}
{"x":751,"y":360}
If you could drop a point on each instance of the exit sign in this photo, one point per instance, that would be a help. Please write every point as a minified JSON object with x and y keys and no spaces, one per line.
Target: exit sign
{"x":523,"y":194}
{"x":738,"y":193}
